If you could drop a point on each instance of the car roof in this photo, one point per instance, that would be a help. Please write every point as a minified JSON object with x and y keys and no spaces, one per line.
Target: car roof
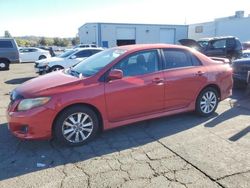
{"x":217,"y":38}
{"x":137,"y":47}
{"x":89,"y":48}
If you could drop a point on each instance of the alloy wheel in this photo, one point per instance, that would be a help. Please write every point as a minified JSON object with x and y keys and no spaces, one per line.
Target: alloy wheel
{"x":208,"y":102}
{"x":77,"y":127}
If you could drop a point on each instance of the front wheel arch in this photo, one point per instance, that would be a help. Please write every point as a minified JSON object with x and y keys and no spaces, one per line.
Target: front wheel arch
{"x":216,"y":87}
{"x":84,"y":105}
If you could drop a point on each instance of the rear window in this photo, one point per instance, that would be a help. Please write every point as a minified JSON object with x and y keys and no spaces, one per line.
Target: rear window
{"x":6,"y":44}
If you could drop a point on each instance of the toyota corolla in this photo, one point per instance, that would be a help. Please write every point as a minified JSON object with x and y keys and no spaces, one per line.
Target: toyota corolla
{"x":117,"y":87}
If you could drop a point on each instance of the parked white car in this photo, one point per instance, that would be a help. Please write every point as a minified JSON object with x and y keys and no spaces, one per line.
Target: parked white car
{"x":245,"y":54}
{"x":86,"y":46}
{"x":30,"y":54}
{"x":65,"y":60}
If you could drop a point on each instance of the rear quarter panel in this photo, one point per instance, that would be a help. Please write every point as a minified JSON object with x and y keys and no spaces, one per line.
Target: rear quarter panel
{"x":218,"y":73}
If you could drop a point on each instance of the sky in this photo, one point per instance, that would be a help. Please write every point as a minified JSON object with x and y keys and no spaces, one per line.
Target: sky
{"x":62,"y":18}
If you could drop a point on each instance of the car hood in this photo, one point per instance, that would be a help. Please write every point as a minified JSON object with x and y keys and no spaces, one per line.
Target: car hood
{"x":48,"y":60}
{"x":191,"y":43}
{"x":48,"y":84}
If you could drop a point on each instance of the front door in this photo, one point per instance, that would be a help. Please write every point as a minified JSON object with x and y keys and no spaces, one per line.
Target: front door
{"x":140,"y":91}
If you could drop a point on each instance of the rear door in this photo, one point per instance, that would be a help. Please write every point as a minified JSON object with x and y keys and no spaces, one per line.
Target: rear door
{"x":140,"y":91}
{"x":217,"y":48}
{"x":184,"y":77}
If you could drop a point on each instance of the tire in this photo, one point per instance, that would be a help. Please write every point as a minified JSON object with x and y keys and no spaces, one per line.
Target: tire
{"x":4,"y":64}
{"x":41,"y":57}
{"x":56,"y":68}
{"x":76,"y":126}
{"x":207,"y":102}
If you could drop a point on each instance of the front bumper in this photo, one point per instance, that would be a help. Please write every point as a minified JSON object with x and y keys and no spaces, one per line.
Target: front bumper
{"x":31,"y":124}
{"x":41,"y":69}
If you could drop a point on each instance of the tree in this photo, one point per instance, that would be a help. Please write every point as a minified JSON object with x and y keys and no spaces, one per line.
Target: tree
{"x":7,"y":34}
{"x":56,"y":41}
{"x":43,"y":41}
{"x":75,"y":41}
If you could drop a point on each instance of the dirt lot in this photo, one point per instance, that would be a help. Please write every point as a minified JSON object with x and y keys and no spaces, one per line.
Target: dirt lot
{"x":177,"y":151}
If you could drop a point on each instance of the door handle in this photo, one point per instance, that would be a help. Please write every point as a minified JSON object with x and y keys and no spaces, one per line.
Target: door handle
{"x":158,"y":81}
{"x":200,"y":73}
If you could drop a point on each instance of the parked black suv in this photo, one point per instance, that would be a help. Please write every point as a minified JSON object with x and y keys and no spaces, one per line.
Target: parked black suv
{"x":241,"y":72}
{"x":228,"y":47}
{"x":8,"y":53}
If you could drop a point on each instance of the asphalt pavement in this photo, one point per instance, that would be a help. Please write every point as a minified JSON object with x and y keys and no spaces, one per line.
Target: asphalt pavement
{"x":177,"y":151}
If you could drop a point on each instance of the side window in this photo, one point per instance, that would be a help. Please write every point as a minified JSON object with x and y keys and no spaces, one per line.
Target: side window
{"x":95,"y":51}
{"x":219,"y":44}
{"x":230,"y":44}
{"x":6,"y":44}
{"x":32,"y":50}
{"x":139,"y":63}
{"x":238,"y":45}
{"x":83,"y":53}
{"x":24,"y":50}
{"x":177,"y":59}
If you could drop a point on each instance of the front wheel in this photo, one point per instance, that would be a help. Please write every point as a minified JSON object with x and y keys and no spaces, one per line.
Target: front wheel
{"x":76,"y":126}
{"x":207,"y":102}
{"x":56,"y":68}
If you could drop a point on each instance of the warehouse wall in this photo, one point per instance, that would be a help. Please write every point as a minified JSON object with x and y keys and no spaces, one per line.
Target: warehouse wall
{"x":88,"y":33}
{"x":231,"y":26}
{"x":107,"y":33}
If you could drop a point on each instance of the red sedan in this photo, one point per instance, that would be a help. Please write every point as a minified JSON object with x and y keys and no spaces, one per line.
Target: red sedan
{"x":116,"y":87}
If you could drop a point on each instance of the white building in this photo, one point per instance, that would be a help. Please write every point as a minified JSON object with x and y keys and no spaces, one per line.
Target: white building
{"x":116,"y":34}
{"x":237,"y":25}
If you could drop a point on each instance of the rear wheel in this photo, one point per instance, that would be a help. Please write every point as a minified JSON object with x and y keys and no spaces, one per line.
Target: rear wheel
{"x":76,"y":126}
{"x":42,"y":57}
{"x":207,"y":102}
{"x":4,"y":64}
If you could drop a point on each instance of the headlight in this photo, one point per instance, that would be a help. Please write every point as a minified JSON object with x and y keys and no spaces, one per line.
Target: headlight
{"x":27,"y":104}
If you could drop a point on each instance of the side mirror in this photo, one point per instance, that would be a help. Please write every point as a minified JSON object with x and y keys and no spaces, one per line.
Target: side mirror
{"x":73,"y":57}
{"x":115,"y":74}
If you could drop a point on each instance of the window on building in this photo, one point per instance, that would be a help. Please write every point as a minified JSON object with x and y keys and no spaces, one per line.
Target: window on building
{"x":199,"y":29}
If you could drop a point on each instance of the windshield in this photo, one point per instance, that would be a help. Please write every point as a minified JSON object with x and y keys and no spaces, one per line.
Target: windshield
{"x":67,"y":53}
{"x":95,"y":63}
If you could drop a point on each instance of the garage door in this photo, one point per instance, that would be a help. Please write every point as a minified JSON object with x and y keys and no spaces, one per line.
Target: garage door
{"x":167,"y":36}
{"x":126,"y":33}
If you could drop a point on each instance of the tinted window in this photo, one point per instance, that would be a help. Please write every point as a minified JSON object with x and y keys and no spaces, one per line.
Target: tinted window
{"x":95,"y":51}
{"x":139,"y":63}
{"x":238,"y":45}
{"x":67,"y":53}
{"x":219,"y":43}
{"x":32,"y":50}
{"x":230,"y":44}
{"x":83,"y":53}
{"x":177,"y":58}
{"x":6,"y":44}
